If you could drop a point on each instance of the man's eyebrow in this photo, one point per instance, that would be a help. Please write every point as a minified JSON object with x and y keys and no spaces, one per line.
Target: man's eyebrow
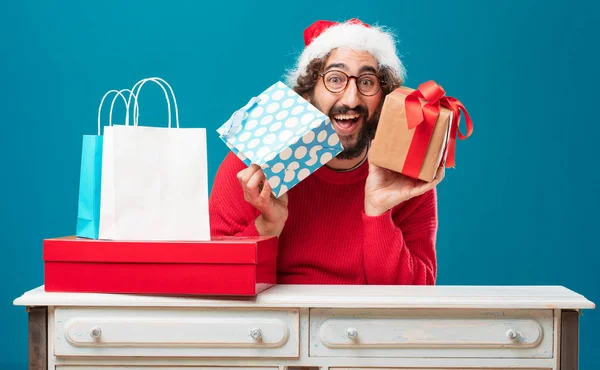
{"x":364,"y":69}
{"x":336,"y":65}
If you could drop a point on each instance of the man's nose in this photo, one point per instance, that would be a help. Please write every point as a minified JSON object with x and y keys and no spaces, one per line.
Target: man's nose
{"x":350,"y":97}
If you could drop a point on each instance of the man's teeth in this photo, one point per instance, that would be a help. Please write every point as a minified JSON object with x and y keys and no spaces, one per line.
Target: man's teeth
{"x":346,"y":116}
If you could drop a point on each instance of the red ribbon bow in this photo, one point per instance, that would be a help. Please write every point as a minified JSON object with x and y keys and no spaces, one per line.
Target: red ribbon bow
{"x":423,"y":119}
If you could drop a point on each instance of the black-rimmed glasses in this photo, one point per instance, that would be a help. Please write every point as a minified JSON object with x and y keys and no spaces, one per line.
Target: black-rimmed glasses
{"x":336,"y":81}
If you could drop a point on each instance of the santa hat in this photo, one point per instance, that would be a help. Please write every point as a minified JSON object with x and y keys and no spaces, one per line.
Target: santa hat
{"x":322,"y":37}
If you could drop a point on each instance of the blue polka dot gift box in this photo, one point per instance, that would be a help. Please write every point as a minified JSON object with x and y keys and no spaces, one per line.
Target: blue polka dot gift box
{"x":284,"y":134}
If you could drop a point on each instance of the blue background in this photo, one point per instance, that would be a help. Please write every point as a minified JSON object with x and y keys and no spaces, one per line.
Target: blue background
{"x":519,"y":209}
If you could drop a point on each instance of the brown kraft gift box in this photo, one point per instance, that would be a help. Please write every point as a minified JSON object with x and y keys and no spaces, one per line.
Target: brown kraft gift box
{"x":394,"y":146}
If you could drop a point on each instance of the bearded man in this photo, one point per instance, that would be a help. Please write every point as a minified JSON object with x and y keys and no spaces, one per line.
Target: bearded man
{"x":350,"y":222}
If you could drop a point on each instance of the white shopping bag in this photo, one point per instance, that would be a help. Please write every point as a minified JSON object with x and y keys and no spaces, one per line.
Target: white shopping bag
{"x":154,"y":179}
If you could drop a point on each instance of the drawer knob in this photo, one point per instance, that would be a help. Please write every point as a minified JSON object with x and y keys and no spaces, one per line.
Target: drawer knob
{"x":96,"y":332}
{"x":351,"y":333}
{"x":513,"y":335}
{"x":256,"y":334}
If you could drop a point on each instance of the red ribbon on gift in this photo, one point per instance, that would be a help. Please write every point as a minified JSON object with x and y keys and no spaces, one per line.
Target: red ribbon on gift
{"x":423,"y":119}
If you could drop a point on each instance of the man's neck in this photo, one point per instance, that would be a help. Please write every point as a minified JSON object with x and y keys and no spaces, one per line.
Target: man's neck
{"x":337,"y":164}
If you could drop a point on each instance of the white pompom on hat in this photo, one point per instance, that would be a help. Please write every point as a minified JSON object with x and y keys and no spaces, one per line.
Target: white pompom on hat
{"x":322,"y":37}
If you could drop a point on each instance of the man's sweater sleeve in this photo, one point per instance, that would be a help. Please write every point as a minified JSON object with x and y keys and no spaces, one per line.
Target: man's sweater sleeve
{"x":230,"y":214}
{"x":399,"y":245}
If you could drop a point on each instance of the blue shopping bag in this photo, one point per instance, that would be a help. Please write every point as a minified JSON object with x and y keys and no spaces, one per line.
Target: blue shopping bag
{"x":283,"y":133}
{"x":90,"y":176}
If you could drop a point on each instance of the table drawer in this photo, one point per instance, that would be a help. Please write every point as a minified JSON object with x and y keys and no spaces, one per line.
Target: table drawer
{"x":431,"y":333}
{"x":193,"y":332}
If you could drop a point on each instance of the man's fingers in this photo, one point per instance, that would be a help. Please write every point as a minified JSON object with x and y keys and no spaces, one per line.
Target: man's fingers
{"x":245,"y":175}
{"x":265,"y":193}
{"x":426,"y":186}
{"x":249,"y":179}
{"x":257,"y":190}
{"x":255,"y":180}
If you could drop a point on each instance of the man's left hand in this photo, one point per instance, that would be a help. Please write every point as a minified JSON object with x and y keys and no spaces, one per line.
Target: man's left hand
{"x":386,"y":189}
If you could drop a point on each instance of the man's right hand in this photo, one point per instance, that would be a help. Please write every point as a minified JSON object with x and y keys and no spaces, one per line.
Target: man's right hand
{"x":257,"y":192}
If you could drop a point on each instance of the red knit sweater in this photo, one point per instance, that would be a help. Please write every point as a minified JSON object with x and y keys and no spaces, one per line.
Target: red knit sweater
{"x":327,"y":238}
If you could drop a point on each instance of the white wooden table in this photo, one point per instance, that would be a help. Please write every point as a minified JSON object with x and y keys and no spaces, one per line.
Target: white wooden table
{"x":328,"y":327}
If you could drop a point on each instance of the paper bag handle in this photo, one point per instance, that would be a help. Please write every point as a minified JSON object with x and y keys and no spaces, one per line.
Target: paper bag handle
{"x":230,"y":127}
{"x":118,"y":93}
{"x":126,"y":104}
{"x":139,"y":86}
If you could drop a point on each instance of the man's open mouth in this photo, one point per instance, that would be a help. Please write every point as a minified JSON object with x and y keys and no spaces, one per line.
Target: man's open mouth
{"x":346,"y":122}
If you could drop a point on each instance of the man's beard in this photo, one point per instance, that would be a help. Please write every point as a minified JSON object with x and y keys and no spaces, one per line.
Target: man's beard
{"x":364,"y":136}
{"x":363,"y":139}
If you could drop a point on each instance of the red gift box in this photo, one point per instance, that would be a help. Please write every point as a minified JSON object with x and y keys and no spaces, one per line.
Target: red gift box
{"x":238,"y":266}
